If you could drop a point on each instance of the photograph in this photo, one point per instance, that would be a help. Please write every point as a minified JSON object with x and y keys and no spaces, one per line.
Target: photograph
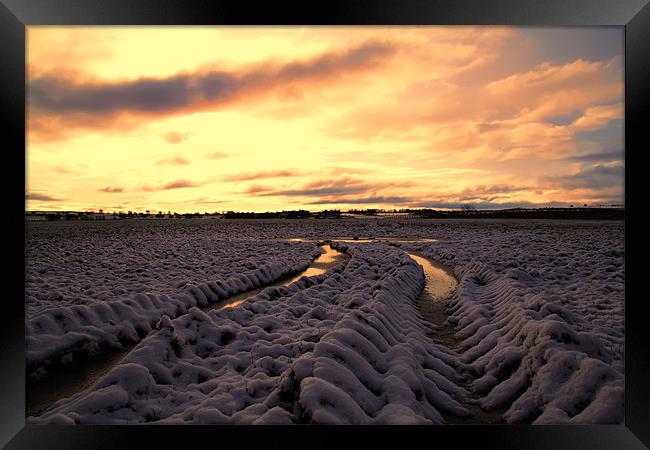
{"x":325,"y":225}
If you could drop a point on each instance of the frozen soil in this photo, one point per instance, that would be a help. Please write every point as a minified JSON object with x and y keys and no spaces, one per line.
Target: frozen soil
{"x":534,"y":332}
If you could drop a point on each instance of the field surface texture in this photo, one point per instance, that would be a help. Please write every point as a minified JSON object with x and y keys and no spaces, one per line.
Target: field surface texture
{"x":533,"y":332}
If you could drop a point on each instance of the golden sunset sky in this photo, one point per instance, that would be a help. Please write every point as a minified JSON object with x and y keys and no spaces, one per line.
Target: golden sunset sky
{"x":203,"y":119}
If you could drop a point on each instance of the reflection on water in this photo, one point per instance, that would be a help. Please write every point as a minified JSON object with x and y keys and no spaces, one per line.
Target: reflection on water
{"x":237,"y":299}
{"x":322,"y":264}
{"x":440,"y":284}
{"x":354,"y":239}
{"x":409,"y":239}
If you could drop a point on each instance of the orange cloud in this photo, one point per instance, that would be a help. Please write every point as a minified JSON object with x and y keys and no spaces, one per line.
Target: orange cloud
{"x":597,"y":117}
{"x":217,"y":155}
{"x":259,"y":175}
{"x":75,"y":103}
{"x":41,"y":197}
{"x":176,"y":161}
{"x":177,"y":184}
{"x":175,"y":137}
{"x":393,"y":116}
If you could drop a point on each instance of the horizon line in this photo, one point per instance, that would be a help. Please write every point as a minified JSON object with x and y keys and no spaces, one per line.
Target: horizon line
{"x":377,"y":210}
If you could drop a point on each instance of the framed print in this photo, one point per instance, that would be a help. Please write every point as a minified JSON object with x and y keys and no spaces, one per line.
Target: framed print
{"x":370,"y":217}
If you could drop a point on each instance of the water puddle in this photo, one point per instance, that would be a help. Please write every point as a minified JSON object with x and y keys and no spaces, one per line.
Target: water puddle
{"x":440,"y":283}
{"x":356,"y":239}
{"x":321,"y":264}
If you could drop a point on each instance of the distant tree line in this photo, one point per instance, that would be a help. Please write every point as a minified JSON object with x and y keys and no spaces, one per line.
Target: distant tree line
{"x":523,"y":213}
{"x":300,"y":214}
{"x":467,"y":211}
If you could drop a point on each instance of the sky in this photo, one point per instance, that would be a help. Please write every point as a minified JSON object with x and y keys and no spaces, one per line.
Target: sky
{"x":212,"y":119}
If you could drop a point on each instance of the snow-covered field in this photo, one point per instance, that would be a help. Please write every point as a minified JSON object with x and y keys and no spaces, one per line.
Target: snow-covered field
{"x":539,"y":314}
{"x":537,"y":321}
{"x":90,"y":286}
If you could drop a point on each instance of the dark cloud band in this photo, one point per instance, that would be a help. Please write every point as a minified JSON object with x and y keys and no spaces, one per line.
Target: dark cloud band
{"x":59,"y":96}
{"x":41,"y":197}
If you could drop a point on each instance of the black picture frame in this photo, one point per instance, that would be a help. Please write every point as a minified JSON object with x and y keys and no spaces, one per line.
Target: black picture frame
{"x":15,"y":15}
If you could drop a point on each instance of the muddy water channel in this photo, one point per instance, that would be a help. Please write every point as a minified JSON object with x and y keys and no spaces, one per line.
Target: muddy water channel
{"x":440,"y":282}
{"x":76,"y":377}
{"x":356,"y":239}
{"x":440,"y":285}
{"x":321,"y":264}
